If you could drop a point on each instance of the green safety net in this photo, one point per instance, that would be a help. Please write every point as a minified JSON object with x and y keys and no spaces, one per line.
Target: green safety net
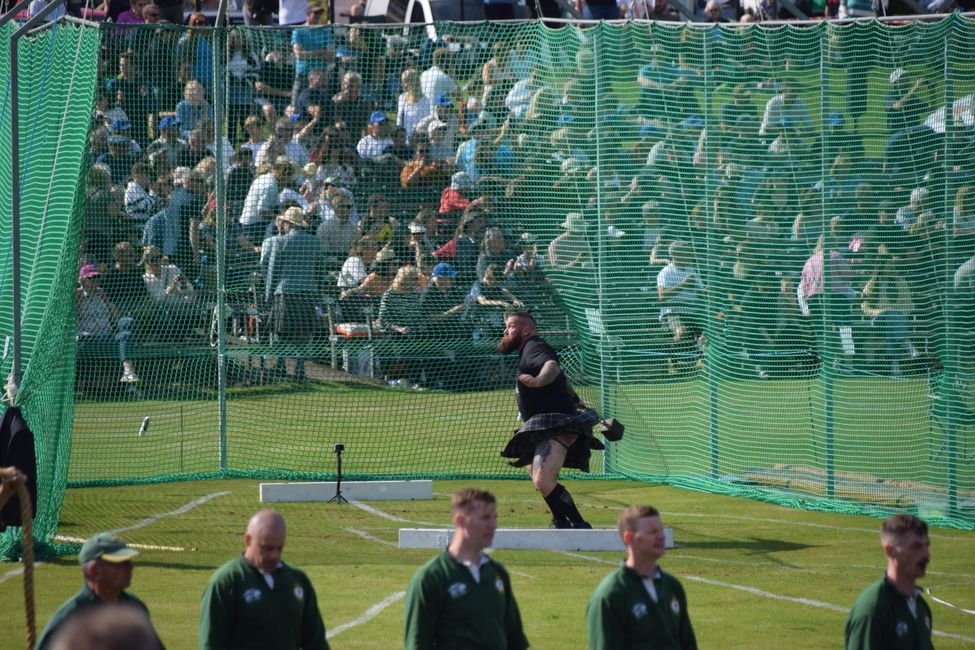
{"x":335,"y":268}
{"x":57,"y":75}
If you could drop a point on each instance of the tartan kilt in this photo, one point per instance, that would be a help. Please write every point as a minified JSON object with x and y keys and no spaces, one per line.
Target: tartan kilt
{"x":544,"y":426}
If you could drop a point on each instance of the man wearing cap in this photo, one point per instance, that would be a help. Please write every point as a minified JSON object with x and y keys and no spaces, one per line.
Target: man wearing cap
{"x":292,"y":264}
{"x":258,"y":601}
{"x":375,"y":143}
{"x":638,"y":605}
{"x":106,"y":563}
{"x":168,"y":145}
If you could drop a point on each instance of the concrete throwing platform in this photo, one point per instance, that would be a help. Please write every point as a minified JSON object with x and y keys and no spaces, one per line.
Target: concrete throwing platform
{"x":359,"y":490}
{"x":538,"y":539}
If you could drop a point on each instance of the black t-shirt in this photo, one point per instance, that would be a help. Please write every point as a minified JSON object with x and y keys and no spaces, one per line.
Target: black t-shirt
{"x":557,"y":397}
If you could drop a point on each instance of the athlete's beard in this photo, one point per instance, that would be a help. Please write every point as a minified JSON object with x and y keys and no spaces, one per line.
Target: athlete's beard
{"x":509,"y":343}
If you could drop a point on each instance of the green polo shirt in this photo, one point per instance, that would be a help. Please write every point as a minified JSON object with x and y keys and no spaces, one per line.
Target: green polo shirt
{"x":81,"y":601}
{"x":881,"y":620}
{"x":447,"y":609}
{"x":623,"y":616}
{"x":239,"y":611}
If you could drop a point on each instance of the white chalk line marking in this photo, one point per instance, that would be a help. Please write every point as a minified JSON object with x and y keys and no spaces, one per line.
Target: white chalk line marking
{"x":179,"y":511}
{"x":764,"y":594}
{"x":141,"y":524}
{"x":368,"y":615}
{"x":790,"y":522}
{"x":143,"y":547}
{"x":372,"y":538}
{"x":385,"y":515}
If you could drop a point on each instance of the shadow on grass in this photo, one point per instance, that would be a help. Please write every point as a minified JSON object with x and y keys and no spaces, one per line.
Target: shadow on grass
{"x":753,"y":546}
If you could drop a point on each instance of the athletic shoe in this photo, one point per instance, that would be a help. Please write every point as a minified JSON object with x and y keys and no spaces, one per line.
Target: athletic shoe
{"x":129,"y":378}
{"x":560,"y":524}
{"x":582,"y":525}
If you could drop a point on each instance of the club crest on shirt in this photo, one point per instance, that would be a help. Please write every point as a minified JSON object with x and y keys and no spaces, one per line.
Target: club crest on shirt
{"x":901,"y":629}
{"x":639,"y":610}
{"x":675,"y":605}
{"x":252,"y":596}
{"x":499,"y":585}
{"x":299,"y":592}
{"x":457,"y":590}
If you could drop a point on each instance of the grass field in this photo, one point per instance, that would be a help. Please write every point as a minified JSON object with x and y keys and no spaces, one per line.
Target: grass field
{"x":757,"y":575}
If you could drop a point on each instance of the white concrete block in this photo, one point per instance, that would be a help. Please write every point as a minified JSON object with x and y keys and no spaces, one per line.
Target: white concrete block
{"x":540,"y":539}
{"x":358,"y":490}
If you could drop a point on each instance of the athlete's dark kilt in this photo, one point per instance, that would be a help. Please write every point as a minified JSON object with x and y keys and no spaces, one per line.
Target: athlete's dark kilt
{"x":544,"y":426}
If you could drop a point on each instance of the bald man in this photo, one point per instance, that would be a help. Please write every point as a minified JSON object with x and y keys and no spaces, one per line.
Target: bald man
{"x":258,"y":601}
{"x":557,"y":429}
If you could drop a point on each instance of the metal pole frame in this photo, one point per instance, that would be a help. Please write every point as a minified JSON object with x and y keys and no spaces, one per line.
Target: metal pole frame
{"x":23,"y":30}
{"x":220,"y":190}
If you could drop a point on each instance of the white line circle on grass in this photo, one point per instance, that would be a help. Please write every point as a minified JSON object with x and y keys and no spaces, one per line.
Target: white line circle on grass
{"x":368,"y":615}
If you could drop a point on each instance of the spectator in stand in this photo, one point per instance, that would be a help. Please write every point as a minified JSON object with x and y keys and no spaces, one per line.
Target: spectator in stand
{"x":423,"y":177}
{"x":454,"y":199}
{"x":399,"y":309}
{"x":356,"y":266}
{"x":679,"y":289}
{"x":785,"y":110}
{"x":140,"y":200}
{"x":168,"y":149}
{"x":134,"y":94}
{"x":812,"y":302}
{"x":497,"y":78}
{"x":293,"y":275}
{"x":176,"y":229}
{"x":903,"y":103}
{"x":915,"y":216}
{"x":102,"y":214}
{"x":133,"y":15}
{"x":413,"y":106}
{"x":275,"y":84}
{"x":494,"y":250}
{"x":313,"y":49}
{"x":194,"y":51}
{"x":348,"y":105}
{"x":887,"y":303}
{"x":261,"y":202}
{"x":119,"y":158}
{"x":443,"y":302}
{"x":292,"y":12}
{"x":436,"y":80}
{"x":571,"y":249}
{"x":243,"y":67}
{"x":376,"y":142}
{"x":316,"y":99}
{"x":338,"y":163}
{"x":239,"y":179}
{"x":172,"y":295}
{"x":283,"y":142}
{"x":364,"y":298}
{"x":194,"y":109}
{"x":963,"y":215}
{"x":488,"y":302}
{"x":99,"y":327}
{"x":337,"y":234}
{"x":256,"y":137}
{"x":462,"y":250}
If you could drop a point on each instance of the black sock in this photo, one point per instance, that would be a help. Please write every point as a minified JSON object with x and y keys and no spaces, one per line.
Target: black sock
{"x":566,"y":505}
{"x":555,"y":505}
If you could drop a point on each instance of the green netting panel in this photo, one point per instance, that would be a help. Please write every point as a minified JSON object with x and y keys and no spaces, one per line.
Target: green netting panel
{"x":57,"y":78}
{"x":663,"y":196}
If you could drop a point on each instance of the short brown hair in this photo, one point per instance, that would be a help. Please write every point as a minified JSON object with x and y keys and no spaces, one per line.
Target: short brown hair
{"x":632,"y":514}
{"x":894,"y":528}
{"x":462,"y":500}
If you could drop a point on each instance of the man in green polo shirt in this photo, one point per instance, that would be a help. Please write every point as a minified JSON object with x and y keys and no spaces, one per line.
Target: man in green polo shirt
{"x":462,"y":598}
{"x":106,"y":562}
{"x":890,"y":614}
{"x":638,"y":605}
{"x":257,"y":601}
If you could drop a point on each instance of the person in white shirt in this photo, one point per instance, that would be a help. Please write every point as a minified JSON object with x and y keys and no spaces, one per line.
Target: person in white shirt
{"x":413,"y":105}
{"x":376,"y":142}
{"x":435,"y":80}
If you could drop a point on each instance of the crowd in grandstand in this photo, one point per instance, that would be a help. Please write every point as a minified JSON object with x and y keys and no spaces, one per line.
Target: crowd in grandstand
{"x":433,"y":174}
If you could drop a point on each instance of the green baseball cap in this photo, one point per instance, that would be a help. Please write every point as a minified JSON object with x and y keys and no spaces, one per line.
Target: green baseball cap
{"x":106,"y":546}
